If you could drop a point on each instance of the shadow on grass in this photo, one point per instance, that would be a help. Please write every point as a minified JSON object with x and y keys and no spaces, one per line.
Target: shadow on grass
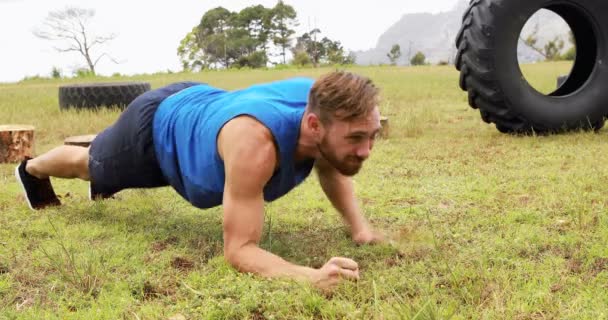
{"x":171,"y":223}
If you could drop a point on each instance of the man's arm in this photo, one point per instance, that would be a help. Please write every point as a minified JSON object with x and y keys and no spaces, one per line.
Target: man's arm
{"x":250,"y":158}
{"x":341,"y":192}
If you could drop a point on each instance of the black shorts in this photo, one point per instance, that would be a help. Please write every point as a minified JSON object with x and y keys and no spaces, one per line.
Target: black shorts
{"x":123,"y":156}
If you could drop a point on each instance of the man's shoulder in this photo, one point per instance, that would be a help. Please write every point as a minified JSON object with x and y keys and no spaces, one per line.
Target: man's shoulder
{"x":244,"y":132}
{"x":247,"y":145}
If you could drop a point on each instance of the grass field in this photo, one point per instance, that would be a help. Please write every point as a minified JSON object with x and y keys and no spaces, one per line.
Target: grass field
{"x":482,"y":225}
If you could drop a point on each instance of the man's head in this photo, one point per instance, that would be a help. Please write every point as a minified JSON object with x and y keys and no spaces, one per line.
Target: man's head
{"x":343,"y":115}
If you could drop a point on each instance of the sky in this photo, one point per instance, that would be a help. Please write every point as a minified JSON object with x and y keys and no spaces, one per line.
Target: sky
{"x":149,"y":32}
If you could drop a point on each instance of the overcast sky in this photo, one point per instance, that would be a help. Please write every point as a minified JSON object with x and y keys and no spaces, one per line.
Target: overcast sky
{"x":148,"y":32}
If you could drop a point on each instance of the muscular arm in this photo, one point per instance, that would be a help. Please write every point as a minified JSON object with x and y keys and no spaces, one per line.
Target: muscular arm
{"x":250,"y":158}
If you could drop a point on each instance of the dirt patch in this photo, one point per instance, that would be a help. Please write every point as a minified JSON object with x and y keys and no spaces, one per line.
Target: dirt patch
{"x":257,"y":315}
{"x":599,"y":265}
{"x":534,"y":315}
{"x":524,"y":200}
{"x":488,"y":291}
{"x":535,"y":253}
{"x":574,"y":266}
{"x":392,"y":261}
{"x":159,"y":246}
{"x":152,"y":291}
{"x":182,"y":264}
{"x":556,"y":287}
{"x":410,"y":255}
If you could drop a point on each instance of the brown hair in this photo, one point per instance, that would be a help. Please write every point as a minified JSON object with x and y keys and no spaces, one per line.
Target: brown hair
{"x":342,"y":95}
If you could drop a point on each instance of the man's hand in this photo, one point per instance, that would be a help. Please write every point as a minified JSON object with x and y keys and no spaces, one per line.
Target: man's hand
{"x":334,"y":271}
{"x":340,"y":191}
{"x":367,"y":236}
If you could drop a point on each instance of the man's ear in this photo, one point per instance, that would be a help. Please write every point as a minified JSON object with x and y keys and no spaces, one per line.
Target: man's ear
{"x":314,"y":123}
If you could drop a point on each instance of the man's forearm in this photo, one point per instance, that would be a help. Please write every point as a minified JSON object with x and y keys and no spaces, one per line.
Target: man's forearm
{"x":341,"y":193}
{"x":251,"y":258}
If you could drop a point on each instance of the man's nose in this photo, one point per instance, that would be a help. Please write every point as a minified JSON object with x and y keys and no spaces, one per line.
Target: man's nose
{"x":364,"y":150}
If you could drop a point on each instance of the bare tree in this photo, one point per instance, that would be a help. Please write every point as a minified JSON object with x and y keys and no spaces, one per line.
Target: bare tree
{"x":71,"y":26}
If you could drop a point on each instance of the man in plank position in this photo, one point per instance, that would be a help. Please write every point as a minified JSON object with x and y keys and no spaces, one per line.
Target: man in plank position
{"x":236,"y":149}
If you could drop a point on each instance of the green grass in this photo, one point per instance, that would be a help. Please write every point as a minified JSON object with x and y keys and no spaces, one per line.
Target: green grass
{"x":482,"y":225}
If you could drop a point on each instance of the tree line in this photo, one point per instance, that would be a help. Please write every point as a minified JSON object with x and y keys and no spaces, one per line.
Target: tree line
{"x":254,"y":37}
{"x":251,"y":37}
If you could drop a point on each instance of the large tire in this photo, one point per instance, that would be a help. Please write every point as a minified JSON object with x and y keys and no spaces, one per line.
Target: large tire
{"x":489,"y":69}
{"x":96,"y":95}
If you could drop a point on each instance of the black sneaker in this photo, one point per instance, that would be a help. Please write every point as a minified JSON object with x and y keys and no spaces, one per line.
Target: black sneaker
{"x":39,"y":193}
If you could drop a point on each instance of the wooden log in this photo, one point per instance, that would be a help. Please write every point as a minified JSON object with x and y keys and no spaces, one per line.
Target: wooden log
{"x":81,"y":141}
{"x":16,"y":143}
{"x":384,"y":131}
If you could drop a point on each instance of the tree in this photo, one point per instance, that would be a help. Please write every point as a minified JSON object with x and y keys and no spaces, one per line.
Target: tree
{"x":571,"y":53}
{"x":192,"y":57}
{"x":335,"y":53}
{"x":394,"y":54}
{"x":551,"y":50}
{"x":301,"y":59}
{"x":212,"y":35}
{"x":249,"y":35}
{"x":325,"y":51}
{"x":56,"y":73}
{"x":308,"y":44}
{"x":256,"y":20}
{"x":418,"y":59}
{"x":283,"y":20}
{"x":71,"y":26}
{"x":226,"y":39}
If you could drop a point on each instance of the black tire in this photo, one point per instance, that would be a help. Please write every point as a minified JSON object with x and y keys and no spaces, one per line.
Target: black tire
{"x":96,"y":95}
{"x":490,"y":73}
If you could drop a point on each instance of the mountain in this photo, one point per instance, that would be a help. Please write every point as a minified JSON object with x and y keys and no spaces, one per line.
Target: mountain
{"x":435,"y":34}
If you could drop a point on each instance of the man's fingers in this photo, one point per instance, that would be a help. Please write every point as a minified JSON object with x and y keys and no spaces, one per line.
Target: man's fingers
{"x":344,"y":263}
{"x":349,"y":274}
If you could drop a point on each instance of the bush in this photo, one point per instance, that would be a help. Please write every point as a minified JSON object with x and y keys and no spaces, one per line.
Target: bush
{"x":418,"y":59}
{"x":301,"y":59}
{"x":56,"y":73}
{"x":83,"y":73}
{"x":570,"y":54}
{"x":255,"y":60}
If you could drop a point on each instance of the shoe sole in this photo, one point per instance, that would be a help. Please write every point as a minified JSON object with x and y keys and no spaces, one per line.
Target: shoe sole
{"x":18,"y":176}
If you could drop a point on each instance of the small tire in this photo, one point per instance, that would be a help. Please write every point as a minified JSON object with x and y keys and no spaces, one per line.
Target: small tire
{"x":489,"y":68}
{"x":97,"y":95}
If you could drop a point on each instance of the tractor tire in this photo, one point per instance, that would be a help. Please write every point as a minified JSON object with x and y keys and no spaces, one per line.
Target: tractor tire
{"x":96,"y":95}
{"x":490,"y":73}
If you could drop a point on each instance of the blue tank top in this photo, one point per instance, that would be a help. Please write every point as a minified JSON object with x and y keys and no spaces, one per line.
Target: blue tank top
{"x":186,"y":126}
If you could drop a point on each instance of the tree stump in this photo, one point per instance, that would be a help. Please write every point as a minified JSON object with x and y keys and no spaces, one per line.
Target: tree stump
{"x":81,"y":141}
{"x":16,"y":143}
{"x":385,"y":127}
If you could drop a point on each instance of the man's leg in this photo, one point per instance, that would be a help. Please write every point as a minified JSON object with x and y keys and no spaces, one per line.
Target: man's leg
{"x":62,"y":162}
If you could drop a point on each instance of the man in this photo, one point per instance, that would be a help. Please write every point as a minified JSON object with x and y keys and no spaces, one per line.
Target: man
{"x":234,"y":148}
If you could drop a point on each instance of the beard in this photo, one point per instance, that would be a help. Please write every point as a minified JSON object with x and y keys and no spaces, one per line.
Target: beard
{"x":349,"y":166}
